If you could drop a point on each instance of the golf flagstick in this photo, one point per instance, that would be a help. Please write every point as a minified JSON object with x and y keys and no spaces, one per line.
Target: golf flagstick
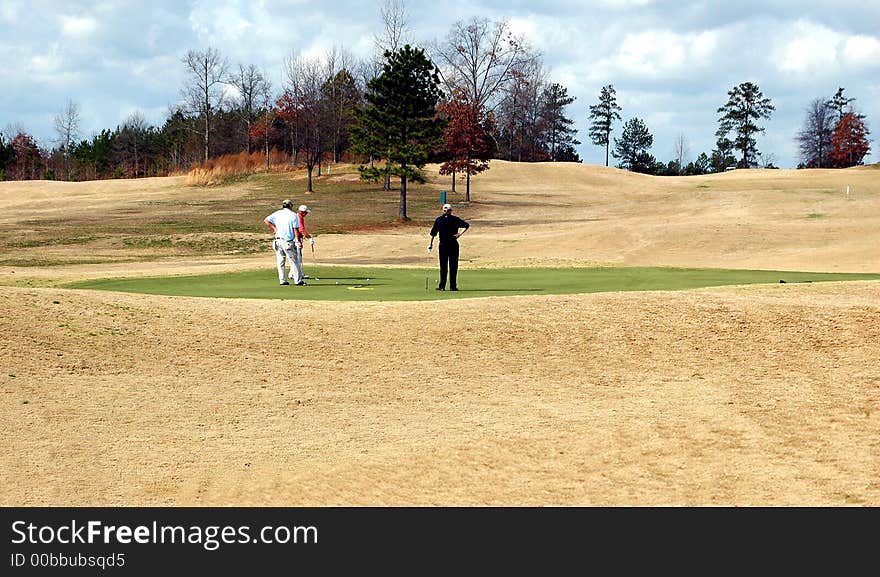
{"x":427,"y":267}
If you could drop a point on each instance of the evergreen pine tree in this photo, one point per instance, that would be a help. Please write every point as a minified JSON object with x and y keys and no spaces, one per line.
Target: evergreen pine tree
{"x":399,"y":120}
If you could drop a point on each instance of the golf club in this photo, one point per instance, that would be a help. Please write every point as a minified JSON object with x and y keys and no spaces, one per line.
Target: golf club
{"x":315,"y":260}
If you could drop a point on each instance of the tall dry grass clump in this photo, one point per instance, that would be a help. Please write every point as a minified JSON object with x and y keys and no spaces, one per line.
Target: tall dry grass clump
{"x":231,"y":166}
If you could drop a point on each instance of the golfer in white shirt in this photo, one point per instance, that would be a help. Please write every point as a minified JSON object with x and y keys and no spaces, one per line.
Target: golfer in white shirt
{"x":283,"y":223}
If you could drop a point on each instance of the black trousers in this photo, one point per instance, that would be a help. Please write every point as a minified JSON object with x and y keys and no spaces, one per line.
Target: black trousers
{"x":448,"y":264}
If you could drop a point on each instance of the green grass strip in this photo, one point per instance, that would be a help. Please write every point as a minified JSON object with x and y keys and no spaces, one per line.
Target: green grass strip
{"x":408,"y":284}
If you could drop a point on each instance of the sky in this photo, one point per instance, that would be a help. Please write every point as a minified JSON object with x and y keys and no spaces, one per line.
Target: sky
{"x":671,"y":63}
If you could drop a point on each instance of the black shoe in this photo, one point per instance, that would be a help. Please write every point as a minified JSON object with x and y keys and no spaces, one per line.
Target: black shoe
{"x":439,"y":288}
{"x":454,"y":289}
{"x":284,"y":283}
{"x":302,"y":283}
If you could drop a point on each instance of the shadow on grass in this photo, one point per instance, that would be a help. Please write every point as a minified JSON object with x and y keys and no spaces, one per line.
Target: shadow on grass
{"x":501,"y":290}
{"x":353,"y":278}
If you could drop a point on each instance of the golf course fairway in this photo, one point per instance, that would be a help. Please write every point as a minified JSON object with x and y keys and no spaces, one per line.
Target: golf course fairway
{"x":409,"y":284}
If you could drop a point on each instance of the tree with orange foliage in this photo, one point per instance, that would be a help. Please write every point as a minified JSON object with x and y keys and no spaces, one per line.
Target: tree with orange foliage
{"x":849,"y":143}
{"x":262,"y":130}
{"x":467,"y":138}
{"x":28,"y":159}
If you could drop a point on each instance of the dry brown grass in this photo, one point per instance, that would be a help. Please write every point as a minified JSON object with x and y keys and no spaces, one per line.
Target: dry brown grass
{"x":220,"y":170}
{"x":759,"y":395}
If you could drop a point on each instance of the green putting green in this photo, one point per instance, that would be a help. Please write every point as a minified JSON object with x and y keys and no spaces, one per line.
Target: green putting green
{"x":408,"y":284}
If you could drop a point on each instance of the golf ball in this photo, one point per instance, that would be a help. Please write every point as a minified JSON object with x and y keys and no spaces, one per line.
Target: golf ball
{"x":337,"y":282}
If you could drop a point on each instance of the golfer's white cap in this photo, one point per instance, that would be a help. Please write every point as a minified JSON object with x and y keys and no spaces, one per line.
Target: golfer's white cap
{"x":447,"y":207}
{"x":303,"y":208}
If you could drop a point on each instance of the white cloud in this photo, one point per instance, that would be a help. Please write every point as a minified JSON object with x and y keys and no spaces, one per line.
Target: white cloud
{"x":221,"y":22}
{"x":625,"y":3}
{"x":810,"y":51}
{"x":658,"y":54}
{"x":10,"y":11}
{"x":45,"y":65}
{"x":661,"y":119}
{"x":651,"y":53}
{"x":78,"y":26}
{"x":703,"y":47}
{"x":571,"y":77}
{"x":228,"y":22}
{"x":526,"y":27}
{"x":861,"y":51}
{"x":810,"y":48}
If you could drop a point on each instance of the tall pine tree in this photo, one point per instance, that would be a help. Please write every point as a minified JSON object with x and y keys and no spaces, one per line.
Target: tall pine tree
{"x":633,"y":145}
{"x":840,"y":103}
{"x":558,"y":130}
{"x":603,"y":116}
{"x":400,"y":118}
{"x":744,"y":107}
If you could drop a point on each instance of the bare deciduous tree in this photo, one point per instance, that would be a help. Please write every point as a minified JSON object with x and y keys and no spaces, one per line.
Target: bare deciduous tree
{"x":396,"y":34}
{"x":252,"y":87}
{"x":342,"y":94}
{"x":305,"y":108}
{"x":397,"y":31}
{"x":518,"y":110}
{"x":814,"y":139}
{"x":481,"y":57}
{"x":204,"y":91}
{"x":133,"y":142}
{"x":681,"y":150}
{"x":265,"y":121}
{"x":67,"y":127}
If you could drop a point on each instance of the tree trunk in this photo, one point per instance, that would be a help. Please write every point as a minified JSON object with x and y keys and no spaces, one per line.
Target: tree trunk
{"x":310,"y":167}
{"x":267,"y":150}
{"x":401,"y":212}
{"x":467,"y":186}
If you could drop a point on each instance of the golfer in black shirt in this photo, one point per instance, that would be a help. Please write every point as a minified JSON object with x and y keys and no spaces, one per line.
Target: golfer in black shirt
{"x":447,"y":226}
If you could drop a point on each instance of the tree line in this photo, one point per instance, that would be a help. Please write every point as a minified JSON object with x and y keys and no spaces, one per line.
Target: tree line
{"x":497,"y":85}
{"x":834,"y":135}
{"x":480,"y":93}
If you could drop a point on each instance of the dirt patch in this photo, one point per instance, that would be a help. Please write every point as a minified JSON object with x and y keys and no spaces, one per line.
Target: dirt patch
{"x":758,"y":395}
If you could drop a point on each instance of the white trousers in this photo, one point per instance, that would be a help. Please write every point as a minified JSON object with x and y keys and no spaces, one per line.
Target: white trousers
{"x":286,"y":250}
